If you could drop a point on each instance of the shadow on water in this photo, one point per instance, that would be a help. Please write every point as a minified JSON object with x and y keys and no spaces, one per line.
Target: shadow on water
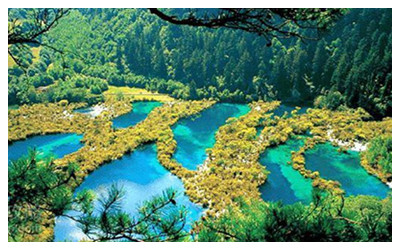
{"x":345,"y":168}
{"x":284,"y":183}
{"x":287,"y":185}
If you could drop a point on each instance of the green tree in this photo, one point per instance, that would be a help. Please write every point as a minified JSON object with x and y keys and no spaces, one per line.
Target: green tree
{"x":159,"y":219}
{"x":361,"y":218}
{"x":38,"y":190}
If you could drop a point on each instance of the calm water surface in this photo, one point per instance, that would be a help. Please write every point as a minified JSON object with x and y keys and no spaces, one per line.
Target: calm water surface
{"x":141,"y":176}
{"x":139,"y":112}
{"x":56,"y":145}
{"x":287,"y":185}
{"x":284,"y":183}
{"x":195,"y":135}
{"x":345,"y":168}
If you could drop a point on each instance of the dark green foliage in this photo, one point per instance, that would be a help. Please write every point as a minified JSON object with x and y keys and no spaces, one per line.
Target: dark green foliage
{"x":159,"y":219}
{"x":379,"y":153}
{"x":36,"y":188}
{"x":38,"y":182}
{"x":332,"y":100}
{"x":353,"y":59}
{"x":41,"y":80}
{"x":39,"y":190}
{"x":361,"y":218}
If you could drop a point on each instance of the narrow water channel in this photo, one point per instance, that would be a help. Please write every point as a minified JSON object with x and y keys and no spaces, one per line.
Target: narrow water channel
{"x":195,"y":135}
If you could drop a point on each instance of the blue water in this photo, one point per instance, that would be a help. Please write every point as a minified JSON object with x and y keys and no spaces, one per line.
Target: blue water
{"x":139,"y":112}
{"x":195,"y":135}
{"x":56,"y":145}
{"x":284,"y":183}
{"x":142,"y":177}
{"x":346,"y":169}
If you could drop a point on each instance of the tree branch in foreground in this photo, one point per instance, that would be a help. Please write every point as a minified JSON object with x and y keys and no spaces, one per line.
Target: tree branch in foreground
{"x":269,"y":23}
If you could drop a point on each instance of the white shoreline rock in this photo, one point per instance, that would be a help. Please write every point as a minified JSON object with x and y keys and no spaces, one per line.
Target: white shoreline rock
{"x":67,"y":114}
{"x":96,"y":110}
{"x":357,"y":145}
{"x":204,"y":166}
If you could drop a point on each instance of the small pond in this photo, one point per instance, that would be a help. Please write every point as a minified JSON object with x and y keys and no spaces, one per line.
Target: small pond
{"x":57,"y":145}
{"x":139,"y":112}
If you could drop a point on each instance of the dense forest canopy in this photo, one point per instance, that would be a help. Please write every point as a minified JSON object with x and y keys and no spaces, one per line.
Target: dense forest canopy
{"x":350,"y":65}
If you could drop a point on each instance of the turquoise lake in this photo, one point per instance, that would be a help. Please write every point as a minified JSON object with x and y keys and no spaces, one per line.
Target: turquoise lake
{"x":345,"y":168}
{"x":284,"y":183}
{"x":194,"y":135}
{"x":142,"y":177}
{"x":139,"y":112}
{"x":56,"y":145}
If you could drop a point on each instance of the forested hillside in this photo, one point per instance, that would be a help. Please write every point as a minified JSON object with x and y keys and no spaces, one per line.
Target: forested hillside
{"x":350,"y":64}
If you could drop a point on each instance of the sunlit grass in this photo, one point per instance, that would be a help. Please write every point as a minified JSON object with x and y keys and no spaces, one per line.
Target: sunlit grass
{"x":137,"y":94}
{"x":11,"y":62}
{"x":36,"y":54}
{"x":35,"y":59}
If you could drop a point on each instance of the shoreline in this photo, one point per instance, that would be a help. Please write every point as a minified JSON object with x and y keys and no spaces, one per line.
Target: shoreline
{"x":356,"y":146}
